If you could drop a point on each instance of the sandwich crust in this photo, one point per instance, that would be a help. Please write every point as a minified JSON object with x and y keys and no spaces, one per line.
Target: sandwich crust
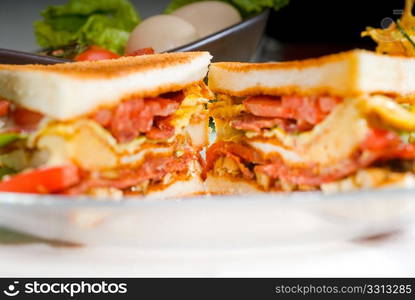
{"x":345,"y":74}
{"x":110,"y":68}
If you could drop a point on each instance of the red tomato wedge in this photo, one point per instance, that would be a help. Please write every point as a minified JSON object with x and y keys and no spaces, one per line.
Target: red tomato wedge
{"x":42,"y":180}
{"x":4,"y":107}
{"x":96,"y":53}
{"x":142,"y":51}
{"x":162,"y":107}
{"x":26,"y":119}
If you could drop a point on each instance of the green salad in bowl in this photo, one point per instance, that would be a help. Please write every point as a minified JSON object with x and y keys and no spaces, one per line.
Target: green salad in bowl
{"x":101,"y":29}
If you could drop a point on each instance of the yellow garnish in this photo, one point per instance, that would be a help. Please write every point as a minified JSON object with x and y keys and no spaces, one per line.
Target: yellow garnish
{"x":399,"y":37}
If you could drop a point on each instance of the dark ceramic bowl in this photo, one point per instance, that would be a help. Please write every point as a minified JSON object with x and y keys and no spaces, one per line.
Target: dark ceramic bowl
{"x":15,"y":57}
{"x":236,"y":43}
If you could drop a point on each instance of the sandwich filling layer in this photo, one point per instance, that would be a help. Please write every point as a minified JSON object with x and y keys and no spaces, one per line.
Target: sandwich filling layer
{"x":312,"y":142}
{"x":138,"y":146}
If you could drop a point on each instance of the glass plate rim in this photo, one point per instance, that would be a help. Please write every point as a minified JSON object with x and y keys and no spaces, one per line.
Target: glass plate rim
{"x":20,"y":199}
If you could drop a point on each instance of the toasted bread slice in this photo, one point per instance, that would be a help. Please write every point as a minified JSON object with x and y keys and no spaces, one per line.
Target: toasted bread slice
{"x":67,"y":91}
{"x":345,"y":74}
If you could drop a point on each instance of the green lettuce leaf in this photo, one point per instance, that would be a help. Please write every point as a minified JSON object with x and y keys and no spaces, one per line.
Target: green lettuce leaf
{"x":106,"y":23}
{"x":7,"y":138}
{"x":246,"y":7}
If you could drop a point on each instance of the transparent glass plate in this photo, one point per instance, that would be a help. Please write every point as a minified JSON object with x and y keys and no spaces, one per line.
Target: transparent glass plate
{"x":209,"y":221}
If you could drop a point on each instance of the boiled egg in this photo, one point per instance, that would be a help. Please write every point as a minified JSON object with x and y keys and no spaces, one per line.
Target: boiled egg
{"x":161,"y":32}
{"x":209,"y":16}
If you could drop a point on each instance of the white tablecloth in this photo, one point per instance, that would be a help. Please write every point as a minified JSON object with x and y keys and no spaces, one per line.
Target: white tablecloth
{"x":392,"y":256}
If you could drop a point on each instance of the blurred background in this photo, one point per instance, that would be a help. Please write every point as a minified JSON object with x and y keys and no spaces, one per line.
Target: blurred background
{"x":302,"y":29}
{"x":17,"y":17}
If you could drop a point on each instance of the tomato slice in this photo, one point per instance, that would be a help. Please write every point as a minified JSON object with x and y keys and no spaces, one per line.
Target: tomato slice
{"x":4,"y":107}
{"x":42,"y":181}
{"x":142,"y":51}
{"x":406,"y":151}
{"x":222,"y":148}
{"x":96,"y":53}
{"x":26,"y":119}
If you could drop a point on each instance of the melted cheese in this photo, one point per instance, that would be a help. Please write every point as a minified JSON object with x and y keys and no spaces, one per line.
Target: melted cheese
{"x":390,"y":112}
